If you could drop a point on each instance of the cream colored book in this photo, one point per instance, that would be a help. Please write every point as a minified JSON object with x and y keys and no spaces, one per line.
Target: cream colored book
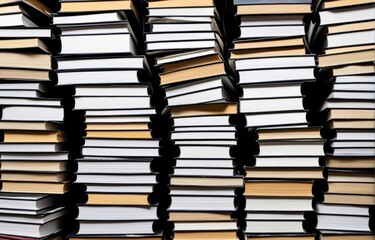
{"x":273,"y":9}
{"x":117,"y":199}
{"x":201,"y":110}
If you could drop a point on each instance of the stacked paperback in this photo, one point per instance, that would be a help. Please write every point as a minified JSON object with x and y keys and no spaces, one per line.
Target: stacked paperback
{"x":184,"y":38}
{"x":35,"y":166}
{"x":112,"y":90}
{"x":347,"y":110}
{"x":276,"y":76}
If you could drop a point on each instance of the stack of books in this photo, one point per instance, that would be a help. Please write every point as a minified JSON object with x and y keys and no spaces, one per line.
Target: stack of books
{"x":345,"y":30}
{"x":185,"y":40}
{"x":203,"y":183}
{"x":98,"y":58}
{"x":35,"y":167}
{"x":276,"y":76}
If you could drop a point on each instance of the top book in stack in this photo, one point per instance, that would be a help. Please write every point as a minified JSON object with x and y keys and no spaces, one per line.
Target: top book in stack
{"x":344,"y":30}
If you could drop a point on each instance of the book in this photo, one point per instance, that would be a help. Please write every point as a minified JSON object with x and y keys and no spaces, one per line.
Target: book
{"x":275,"y":226}
{"x":343,"y":59}
{"x":33,"y":136}
{"x":31,"y":43}
{"x":284,"y":173}
{"x":274,"y":62}
{"x":258,"y":8}
{"x":30,"y":187}
{"x":269,"y":105}
{"x":329,"y":5}
{"x":275,"y":75}
{"x":278,"y":204}
{"x":95,"y":76}
{"x":118,"y":228}
{"x":358,"y":223}
{"x":117,"y":213}
{"x":199,"y":72}
{"x":353,"y":39}
{"x":93,"y":44}
{"x":27,"y":202}
{"x":289,"y":133}
{"x":32,"y":230}
{"x":270,"y":31}
{"x":34,"y":166}
{"x":349,"y":15}
{"x":40,"y":61}
{"x":93,"y":6}
{"x":278,"y":188}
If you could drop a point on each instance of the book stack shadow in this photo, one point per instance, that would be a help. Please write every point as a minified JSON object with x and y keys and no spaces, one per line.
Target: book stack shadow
{"x":184,"y":39}
{"x":36,"y":167}
{"x":101,"y":59}
{"x":276,"y":73}
{"x":343,"y":36}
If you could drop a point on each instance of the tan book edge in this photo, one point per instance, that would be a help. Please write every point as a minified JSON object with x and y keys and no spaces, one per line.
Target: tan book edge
{"x":28,"y":166}
{"x":206,"y":235}
{"x":276,"y":52}
{"x":350,"y":27}
{"x":67,"y":7}
{"x":194,"y":181}
{"x":349,"y":199}
{"x":294,"y":133}
{"x":349,"y":49}
{"x":34,"y":137}
{"x":23,"y":43}
{"x":3,"y":2}
{"x":10,"y":9}
{"x":273,"y":9}
{"x":272,"y":43}
{"x":199,"y":216}
{"x":117,"y":126}
{"x":34,"y":177}
{"x":347,"y":124}
{"x":27,"y":187}
{"x":202,"y":109}
{"x":179,"y":3}
{"x":25,"y":74}
{"x":118,"y":134}
{"x":355,"y":69}
{"x":348,"y":162}
{"x":193,"y":73}
{"x":285,"y":173}
{"x":344,"y":3}
{"x":353,"y":113}
{"x":279,"y":189}
{"x":117,"y":199}
{"x":346,"y":58}
{"x":351,"y":188}
{"x":25,"y":60}
{"x":190,"y":63}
